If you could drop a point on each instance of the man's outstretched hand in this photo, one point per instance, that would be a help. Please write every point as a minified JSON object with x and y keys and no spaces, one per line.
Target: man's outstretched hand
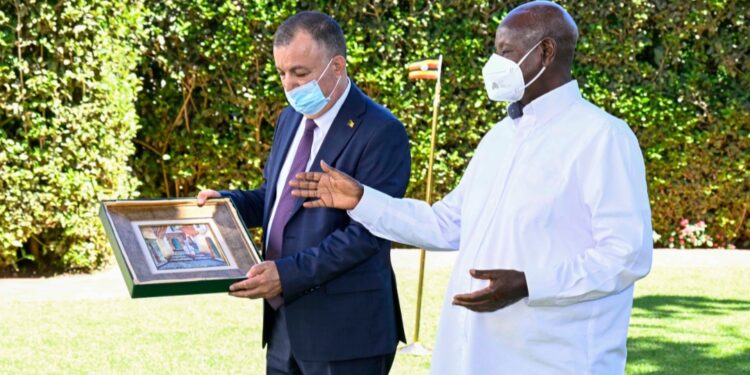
{"x":333,"y":188}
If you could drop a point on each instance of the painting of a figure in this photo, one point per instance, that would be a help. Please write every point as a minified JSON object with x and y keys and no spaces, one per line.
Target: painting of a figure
{"x":183,"y":246}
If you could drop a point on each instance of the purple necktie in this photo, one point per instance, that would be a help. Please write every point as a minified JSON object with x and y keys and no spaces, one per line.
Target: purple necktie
{"x":286,"y":201}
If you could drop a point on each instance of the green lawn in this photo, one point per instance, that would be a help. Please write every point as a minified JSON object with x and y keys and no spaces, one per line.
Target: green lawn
{"x":691,"y":321}
{"x":685,"y":321}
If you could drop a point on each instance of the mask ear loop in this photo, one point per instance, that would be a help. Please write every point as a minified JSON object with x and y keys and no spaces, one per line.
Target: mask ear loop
{"x":535,"y":77}
{"x":530,"y":50}
{"x":524,"y":58}
{"x":334,"y":88}
{"x":337,"y":80}
{"x":319,"y":77}
{"x":325,"y":70}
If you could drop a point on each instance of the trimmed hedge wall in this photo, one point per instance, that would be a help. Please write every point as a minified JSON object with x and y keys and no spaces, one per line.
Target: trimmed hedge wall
{"x":67,"y":117}
{"x":677,"y":73}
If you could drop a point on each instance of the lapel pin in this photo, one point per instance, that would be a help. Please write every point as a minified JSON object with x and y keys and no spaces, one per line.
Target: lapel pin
{"x":351,"y":123}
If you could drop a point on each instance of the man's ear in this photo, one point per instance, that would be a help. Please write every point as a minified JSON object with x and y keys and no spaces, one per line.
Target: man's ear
{"x":549,"y":51}
{"x":339,"y":64}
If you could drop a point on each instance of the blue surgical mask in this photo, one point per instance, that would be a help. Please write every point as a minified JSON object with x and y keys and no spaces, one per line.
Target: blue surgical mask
{"x":308,"y":99}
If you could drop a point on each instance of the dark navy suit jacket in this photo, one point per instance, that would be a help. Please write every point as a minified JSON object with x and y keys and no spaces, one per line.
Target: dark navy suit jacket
{"x":338,"y":285}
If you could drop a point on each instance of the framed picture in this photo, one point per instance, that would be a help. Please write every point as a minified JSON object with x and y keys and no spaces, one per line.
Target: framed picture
{"x":173,"y":247}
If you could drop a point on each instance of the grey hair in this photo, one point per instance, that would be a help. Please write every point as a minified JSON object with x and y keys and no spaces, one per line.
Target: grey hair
{"x":322,"y":27}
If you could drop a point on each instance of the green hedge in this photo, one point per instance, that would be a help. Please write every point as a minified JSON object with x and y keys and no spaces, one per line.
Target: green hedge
{"x":676,"y":72}
{"x":67,"y":117}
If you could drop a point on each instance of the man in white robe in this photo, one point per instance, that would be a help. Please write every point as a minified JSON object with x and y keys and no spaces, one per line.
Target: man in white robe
{"x":551,"y":220}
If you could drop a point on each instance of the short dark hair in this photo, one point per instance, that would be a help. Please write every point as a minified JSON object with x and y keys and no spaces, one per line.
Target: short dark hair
{"x":320,"y":26}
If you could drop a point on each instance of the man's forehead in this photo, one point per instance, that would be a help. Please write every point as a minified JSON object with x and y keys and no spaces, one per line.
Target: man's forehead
{"x":505,"y":35}
{"x":301,"y":50}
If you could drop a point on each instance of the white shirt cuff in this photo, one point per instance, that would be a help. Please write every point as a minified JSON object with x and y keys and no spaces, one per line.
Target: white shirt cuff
{"x":370,"y":206}
{"x":541,"y":285}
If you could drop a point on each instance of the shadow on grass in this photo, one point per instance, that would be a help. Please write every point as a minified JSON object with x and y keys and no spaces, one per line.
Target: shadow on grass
{"x":687,"y":335}
{"x":26,"y":271}
{"x":674,"y":306}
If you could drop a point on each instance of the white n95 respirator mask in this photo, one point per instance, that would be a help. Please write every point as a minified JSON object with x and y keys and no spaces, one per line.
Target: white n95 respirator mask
{"x":503,"y":78}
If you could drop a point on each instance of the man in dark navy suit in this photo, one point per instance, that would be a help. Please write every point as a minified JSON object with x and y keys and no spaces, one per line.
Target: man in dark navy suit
{"x":331,"y":305}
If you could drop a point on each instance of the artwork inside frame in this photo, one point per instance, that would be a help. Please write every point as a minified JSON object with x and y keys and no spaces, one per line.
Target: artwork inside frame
{"x":173,"y":247}
{"x":183,"y":245}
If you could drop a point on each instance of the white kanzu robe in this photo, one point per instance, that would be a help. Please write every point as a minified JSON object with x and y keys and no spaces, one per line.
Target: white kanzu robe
{"x":559,"y":194}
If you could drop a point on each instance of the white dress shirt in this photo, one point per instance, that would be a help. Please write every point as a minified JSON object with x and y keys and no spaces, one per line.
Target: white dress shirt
{"x":560,"y":195}
{"x":323,"y":123}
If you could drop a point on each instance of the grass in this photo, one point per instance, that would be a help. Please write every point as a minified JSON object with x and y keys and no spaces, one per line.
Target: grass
{"x":685,"y":320}
{"x":691,"y":321}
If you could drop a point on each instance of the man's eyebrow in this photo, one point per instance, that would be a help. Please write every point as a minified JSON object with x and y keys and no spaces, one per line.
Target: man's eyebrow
{"x":295,"y":69}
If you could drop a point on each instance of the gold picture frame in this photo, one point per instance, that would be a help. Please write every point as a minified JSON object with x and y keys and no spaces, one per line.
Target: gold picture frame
{"x":173,"y":247}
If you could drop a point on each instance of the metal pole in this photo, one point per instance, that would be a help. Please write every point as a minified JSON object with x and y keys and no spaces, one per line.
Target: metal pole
{"x":415,"y":347}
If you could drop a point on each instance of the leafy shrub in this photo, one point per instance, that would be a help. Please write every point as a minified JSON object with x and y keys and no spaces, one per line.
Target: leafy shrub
{"x":67,"y":118}
{"x":676,"y":72}
{"x":210,"y":94}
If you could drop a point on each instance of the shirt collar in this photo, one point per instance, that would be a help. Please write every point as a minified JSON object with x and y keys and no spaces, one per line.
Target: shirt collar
{"x":549,"y":105}
{"x":325,"y":121}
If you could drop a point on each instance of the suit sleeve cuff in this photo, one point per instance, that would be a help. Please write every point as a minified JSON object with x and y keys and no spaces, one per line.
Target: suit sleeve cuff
{"x":290,"y":288}
{"x":229,"y":194}
{"x":370,"y":207}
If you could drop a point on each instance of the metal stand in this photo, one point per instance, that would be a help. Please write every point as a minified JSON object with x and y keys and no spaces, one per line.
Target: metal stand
{"x":415,"y":348}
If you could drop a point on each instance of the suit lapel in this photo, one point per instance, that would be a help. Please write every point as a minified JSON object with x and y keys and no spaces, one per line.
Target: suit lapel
{"x":287,"y":131}
{"x":343,"y":128}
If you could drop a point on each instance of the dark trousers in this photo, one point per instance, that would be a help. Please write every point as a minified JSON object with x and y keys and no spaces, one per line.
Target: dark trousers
{"x":281,"y":361}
